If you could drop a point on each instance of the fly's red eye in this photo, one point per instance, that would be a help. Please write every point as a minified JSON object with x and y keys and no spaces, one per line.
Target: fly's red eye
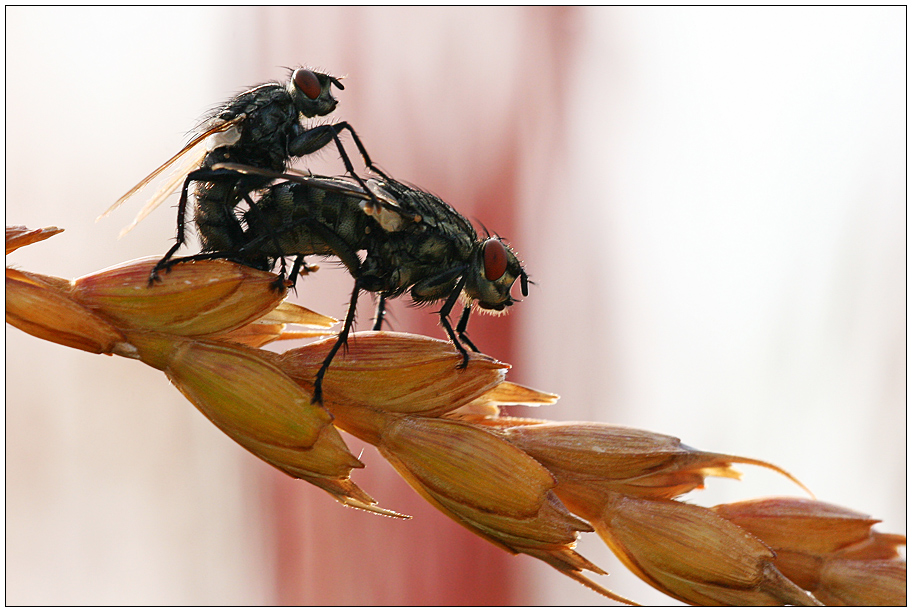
{"x":307,"y":82}
{"x":495,"y":259}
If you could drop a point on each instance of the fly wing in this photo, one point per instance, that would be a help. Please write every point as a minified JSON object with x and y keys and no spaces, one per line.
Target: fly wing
{"x":192,"y":163}
{"x":174,"y":183}
{"x":390,"y":214}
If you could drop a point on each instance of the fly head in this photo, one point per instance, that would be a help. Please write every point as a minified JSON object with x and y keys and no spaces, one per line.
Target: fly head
{"x":312,"y":92}
{"x":494,"y":270}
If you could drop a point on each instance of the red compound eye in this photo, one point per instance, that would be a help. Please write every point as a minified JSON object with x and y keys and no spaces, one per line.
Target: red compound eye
{"x":307,"y":82}
{"x":495,"y":259}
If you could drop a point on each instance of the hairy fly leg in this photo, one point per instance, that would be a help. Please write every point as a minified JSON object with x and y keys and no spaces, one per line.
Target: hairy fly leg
{"x":341,"y":340}
{"x":234,"y":225}
{"x":445,"y":322}
{"x":461,"y":327}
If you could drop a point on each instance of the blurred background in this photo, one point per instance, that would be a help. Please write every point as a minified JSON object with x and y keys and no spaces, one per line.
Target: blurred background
{"x":711,"y":202}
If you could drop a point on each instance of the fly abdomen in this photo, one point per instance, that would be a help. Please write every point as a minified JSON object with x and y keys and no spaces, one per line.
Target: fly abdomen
{"x":217,"y":226}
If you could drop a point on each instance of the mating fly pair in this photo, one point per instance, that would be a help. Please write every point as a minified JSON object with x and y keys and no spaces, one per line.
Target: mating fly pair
{"x":412,"y":240}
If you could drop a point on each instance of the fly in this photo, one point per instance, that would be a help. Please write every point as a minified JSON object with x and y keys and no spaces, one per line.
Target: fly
{"x":260,"y":127}
{"x":412,"y":242}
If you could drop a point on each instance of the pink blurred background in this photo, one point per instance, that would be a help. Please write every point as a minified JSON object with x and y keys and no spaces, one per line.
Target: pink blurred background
{"x":710,"y":200}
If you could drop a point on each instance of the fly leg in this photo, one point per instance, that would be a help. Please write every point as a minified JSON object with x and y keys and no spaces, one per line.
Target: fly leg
{"x":318,"y":137}
{"x":296,"y":267}
{"x":445,"y":322}
{"x":280,"y":282}
{"x":381,"y":312}
{"x":181,"y":214}
{"x":345,"y":125}
{"x":341,"y":341}
{"x":203,"y":174}
{"x":461,"y":327}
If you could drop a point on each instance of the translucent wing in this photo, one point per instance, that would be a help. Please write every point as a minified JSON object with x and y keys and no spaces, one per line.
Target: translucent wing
{"x":191,"y":164}
{"x":174,"y":182}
